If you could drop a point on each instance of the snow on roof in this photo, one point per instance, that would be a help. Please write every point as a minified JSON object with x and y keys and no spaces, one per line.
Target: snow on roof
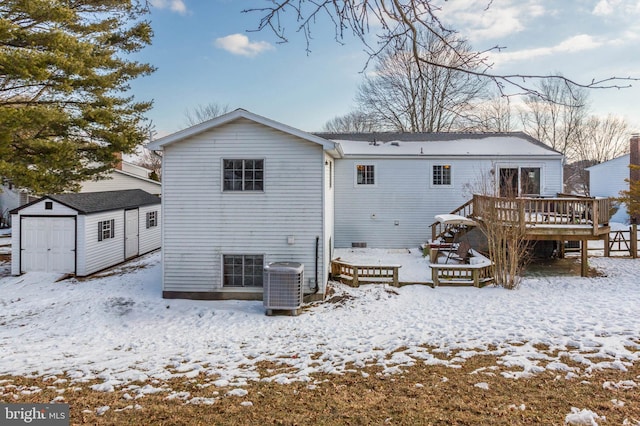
{"x":441,"y":144}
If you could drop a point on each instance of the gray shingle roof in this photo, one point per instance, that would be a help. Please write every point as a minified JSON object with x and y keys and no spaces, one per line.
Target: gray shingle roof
{"x":94,"y":202}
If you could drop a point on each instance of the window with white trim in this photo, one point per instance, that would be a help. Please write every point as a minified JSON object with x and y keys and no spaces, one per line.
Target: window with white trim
{"x":242,"y":270}
{"x":365,"y":174}
{"x":152,"y":219}
{"x":106,"y":229}
{"x":243,"y":175}
{"x":441,"y":174}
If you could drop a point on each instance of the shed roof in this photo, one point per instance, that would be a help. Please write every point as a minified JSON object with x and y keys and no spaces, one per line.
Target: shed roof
{"x":95,"y":202}
{"x":623,"y":161}
{"x":440,"y":144}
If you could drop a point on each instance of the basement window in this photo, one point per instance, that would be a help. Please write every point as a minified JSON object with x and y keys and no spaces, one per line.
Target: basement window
{"x":243,"y":270}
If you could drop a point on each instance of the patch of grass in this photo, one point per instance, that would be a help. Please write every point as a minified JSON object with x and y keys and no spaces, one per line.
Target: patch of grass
{"x":420,"y":395}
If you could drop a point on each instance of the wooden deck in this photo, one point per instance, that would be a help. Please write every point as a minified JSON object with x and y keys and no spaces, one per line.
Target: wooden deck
{"x":562,"y":218}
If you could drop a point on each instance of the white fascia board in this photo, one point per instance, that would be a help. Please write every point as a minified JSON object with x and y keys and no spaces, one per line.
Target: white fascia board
{"x":234,"y":115}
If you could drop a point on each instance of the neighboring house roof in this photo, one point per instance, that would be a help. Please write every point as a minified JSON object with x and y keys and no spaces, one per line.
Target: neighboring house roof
{"x":235,"y":115}
{"x":624,"y":160}
{"x":440,"y":144}
{"x":94,"y":202}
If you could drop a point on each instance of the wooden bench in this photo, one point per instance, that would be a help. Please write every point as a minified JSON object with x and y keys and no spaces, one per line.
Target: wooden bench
{"x":477,"y":275}
{"x":354,"y":275}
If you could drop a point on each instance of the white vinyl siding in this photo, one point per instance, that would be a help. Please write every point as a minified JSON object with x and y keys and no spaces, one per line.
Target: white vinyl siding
{"x":100,"y":254}
{"x":397,"y":213}
{"x":202,"y":222}
{"x":150,"y":238}
{"x":117,"y":181}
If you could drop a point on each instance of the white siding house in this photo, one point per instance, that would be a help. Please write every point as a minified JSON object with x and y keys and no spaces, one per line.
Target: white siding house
{"x":390,"y":186}
{"x":82,"y":233}
{"x":241,"y":191}
{"x":125,"y":176}
{"x":607,"y":179}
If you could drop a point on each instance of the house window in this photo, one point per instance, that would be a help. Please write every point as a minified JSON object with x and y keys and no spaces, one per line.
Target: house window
{"x":519,"y":181}
{"x":243,"y":175}
{"x":365,"y":174}
{"x":442,"y":174}
{"x":106,"y":229}
{"x":48,"y":205}
{"x":241,"y":270}
{"x":152,"y":219}
{"x":530,"y":181}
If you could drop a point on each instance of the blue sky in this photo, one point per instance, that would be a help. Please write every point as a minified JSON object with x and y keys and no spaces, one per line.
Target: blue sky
{"x":205,"y":53}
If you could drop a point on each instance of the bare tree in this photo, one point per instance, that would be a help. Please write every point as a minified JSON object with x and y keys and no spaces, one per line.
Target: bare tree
{"x":151,"y":160}
{"x":602,"y":138}
{"x":494,"y":115}
{"x":557,"y":117}
{"x":499,"y":220}
{"x":202,"y":113}
{"x":599,"y":139}
{"x":401,"y":96}
{"x":353,"y":122}
{"x":401,"y":23}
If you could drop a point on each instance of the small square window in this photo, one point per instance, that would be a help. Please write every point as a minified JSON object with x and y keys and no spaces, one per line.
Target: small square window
{"x":106,"y":229}
{"x":442,"y":174}
{"x":365,"y":174}
{"x":152,"y":219}
{"x":243,"y":175}
{"x":48,"y":205}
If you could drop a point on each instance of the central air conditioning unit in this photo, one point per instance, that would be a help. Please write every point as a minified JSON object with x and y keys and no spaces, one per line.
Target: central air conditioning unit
{"x":282,"y":286}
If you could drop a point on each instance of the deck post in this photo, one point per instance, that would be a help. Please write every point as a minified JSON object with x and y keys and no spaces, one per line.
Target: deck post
{"x":584,"y":263}
{"x":434,"y":277}
{"x":395,"y":277}
{"x":595,"y":216}
{"x":607,"y":252}
{"x":634,"y":240}
{"x":354,"y":280}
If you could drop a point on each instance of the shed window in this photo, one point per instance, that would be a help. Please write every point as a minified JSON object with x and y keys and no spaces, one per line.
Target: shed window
{"x":242,"y":270}
{"x":106,"y":229}
{"x":365,"y":174}
{"x":243,"y":175}
{"x":442,"y":174}
{"x":152,"y":219}
{"x":48,"y":205}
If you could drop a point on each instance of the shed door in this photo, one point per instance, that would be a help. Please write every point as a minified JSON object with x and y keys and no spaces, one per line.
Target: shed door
{"x":48,"y":244}
{"x":131,"y":242}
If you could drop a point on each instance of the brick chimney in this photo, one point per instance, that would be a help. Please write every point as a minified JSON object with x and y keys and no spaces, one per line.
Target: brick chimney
{"x":118,"y":156}
{"x":634,"y":159}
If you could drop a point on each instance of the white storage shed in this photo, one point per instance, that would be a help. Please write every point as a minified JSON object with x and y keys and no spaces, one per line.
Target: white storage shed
{"x":82,"y":233}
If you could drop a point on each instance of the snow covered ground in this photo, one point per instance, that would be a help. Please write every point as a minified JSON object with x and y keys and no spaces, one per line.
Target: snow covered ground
{"x":118,"y":329}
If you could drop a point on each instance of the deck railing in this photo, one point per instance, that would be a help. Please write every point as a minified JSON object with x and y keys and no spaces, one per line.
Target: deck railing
{"x":466,"y":210}
{"x":355,"y":275}
{"x":561,"y":211}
